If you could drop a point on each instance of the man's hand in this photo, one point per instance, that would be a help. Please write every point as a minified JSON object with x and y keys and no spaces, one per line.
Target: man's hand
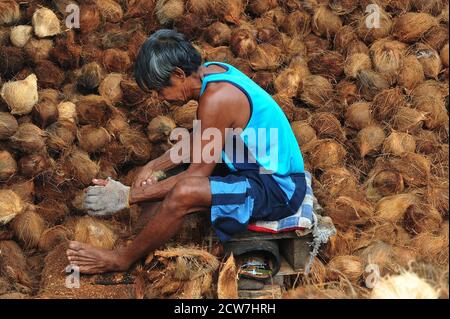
{"x":107,"y":198}
{"x":147,"y":176}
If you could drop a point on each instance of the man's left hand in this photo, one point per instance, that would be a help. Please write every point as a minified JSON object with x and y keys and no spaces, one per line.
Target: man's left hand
{"x":106,"y":198}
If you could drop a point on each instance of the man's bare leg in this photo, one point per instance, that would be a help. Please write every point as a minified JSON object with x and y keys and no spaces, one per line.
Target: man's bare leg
{"x":189,"y":195}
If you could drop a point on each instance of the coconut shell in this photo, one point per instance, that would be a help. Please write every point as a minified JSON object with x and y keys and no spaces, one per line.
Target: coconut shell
{"x":21,"y":96}
{"x":398,"y":143}
{"x":265,"y":57}
{"x":243,"y":42}
{"x":94,"y":232}
{"x":350,"y":267}
{"x":28,"y":228}
{"x":45,"y":23}
{"x":370,"y":140}
{"x":410,"y":73}
{"x":38,"y":49}
{"x":186,"y":114}
{"x":366,"y":30}
{"x":218,"y":34}
{"x":115,"y":60}
{"x":327,"y":153}
{"x":137,"y":146}
{"x":8,"y":165}
{"x":20,"y":35}
{"x":92,"y":139}
{"x":304,"y":133}
{"x":327,"y":63}
{"x":34,"y":164}
{"x":297,"y":24}
{"x":159,"y":129}
{"x":93,"y":109}
{"x":317,"y":90}
{"x":411,"y":26}
{"x":325,"y":22}
{"x":52,"y":237}
{"x":80,"y":166}
{"x":327,"y":126}
{"x":371,"y":83}
{"x":393,"y":208}
{"x":45,"y":113}
{"x":8,"y":125}
{"x":29,"y":138}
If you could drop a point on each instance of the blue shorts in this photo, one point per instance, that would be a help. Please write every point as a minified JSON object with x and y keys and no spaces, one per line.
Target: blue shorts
{"x":246,"y":196}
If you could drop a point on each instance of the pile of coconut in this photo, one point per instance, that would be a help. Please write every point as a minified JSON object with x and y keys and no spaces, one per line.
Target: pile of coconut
{"x":368,"y":105}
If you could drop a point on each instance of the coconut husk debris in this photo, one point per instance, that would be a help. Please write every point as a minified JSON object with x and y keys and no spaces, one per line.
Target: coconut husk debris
{"x":368,"y":107}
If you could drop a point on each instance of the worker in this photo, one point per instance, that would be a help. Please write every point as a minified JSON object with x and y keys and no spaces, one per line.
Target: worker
{"x":265,"y":177}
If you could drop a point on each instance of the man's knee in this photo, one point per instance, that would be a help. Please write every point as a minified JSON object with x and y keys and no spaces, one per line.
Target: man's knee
{"x":179,"y":198}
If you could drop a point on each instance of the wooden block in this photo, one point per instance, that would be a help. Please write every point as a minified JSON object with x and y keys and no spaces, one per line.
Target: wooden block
{"x":296,"y":251}
{"x":268,"y":292}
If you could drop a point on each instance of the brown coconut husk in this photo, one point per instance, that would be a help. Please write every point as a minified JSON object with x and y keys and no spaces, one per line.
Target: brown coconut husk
{"x":137,"y":146}
{"x":355,"y":47}
{"x":93,"y":109}
{"x":327,"y":63}
{"x":20,"y":35}
{"x":436,"y":37}
{"x":10,"y":12}
{"x":347,"y":92}
{"x":90,"y":77}
{"x":110,"y":88}
{"x":13,"y":266}
{"x":370,"y":140}
{"x":220,"y":54}
{"x":227,"y":287}
{"x":436,"y":114}
{"x":8,"y":165}
{"x":45,"y":113}
{"x":349,"y":267}
{"x":52,"y":237}
{"x":159,"y":129}
{"x":415,"y":168}
{"x":107,"y":169}
{"x":339,"y":244}
{"x":315,"y":292}
{"x":21,"y":95}
{"x":289,"y":81}
{"x":444,"y":55}
{"x":431,"y":248}
{"x":286,"y":104}
{"x":28,"y":228}
{"x":132,"y":94}
{"x":297,"y":24}
{"x":110,"y":10}
{"x":53,"y":211}
{"x":38,"y":49}
{"x":139,"y":8}
{"x":49,"y":75}
{"x":94,"y":232}
{"x":90,"y":18}
{"x":337,"y":181}
{"x":116,"y":153}
{"x":65,"y":52}
{"x":168,"y":11}
{"x":407,"y":119}
{"x":387,"y":56}
{"x":29,"y":138}
{"x":327,"y":126}
{"x":433,"y":7}
{"x":45,"y":23}
{"x":61,"y":135}
{"x":8,"y":125}
{"x":265,"y":80}
{"x":269,"y":34}
{"x":115,"y":60}
{"x":35,"y":164}
{"x":327,"y":154}
{"x":260,"y":7}
{"x":410,"y":73}
{"x":314,"y":43}
{"x":325,"y":22}
{"x":344,"y":36}
{"x":411,"y":26}
{"x":67,"y":111}
{"x":317,"y":90}
{"x":356,"y":62}
{"x":79,"y":166}
{"x":218,"y":34}
{"x":292,"y":47}
{"x":429,"y":58}
{"x":243,"y":42}
{"x":12,"y":61}
{"x":117,"y":124}
{"x":348,"y":210}
{"x":265,"y":57}
{"x":304,"y":133}
{"x":429,"y":90}
{"x":369,"y":35}
{"x":24,"y":188}
{"x":398,"y":143}
{"x":92,"y":139}
{"x":359,"y":115}
{"x":371,"y":83}
{"x":384,"y":181}
{"x":186,"y":114}
{"x":421,"y":218}
{"x":438,"y":195}
{"x":393,"y":208}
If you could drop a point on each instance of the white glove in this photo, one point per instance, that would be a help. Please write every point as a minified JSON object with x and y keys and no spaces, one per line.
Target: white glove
{"x":107,"y":200}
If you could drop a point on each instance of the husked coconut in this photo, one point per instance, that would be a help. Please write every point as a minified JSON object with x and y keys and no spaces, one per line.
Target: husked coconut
{"x":80,"y":166}
{"x":387,"y":56}
{"x":159,"y":129}
{"x":350,"y":267}
{"x":243,"y":42}
{"x":90,"y":18}
{"x":110,"y":10}
{"x":325,"y":22}
{"x":9,"y":12}
{"x":370,"y":140}
{"x":93,"y":109}
{"x":61,"y":135}
{"x":218,"y":34}
{"x":444,"y":55}
{"x":8,"y":125}
{"x":28,"y":228}
{"x":137,"y":145}
{"x":20,"y":35}
{"x":371,"y":83}
{"x":386,"y":103}
{"x":393,"y":208}
{"x":327,"y":153}
{"x":327,"y":63}
{"x":29,"y":138}
{"x":359,"y":115}
{"x":67,"y":111}
{"x":398,"y":143}
{"x":411,"y":26}
{"x":38,"y":49}
{"x":327,"y":126}
{"x":34,"y":164}
{"x":45,"y":113}
{"x":303,"y":132}
{"x":265,"y":57}
{"x":11,"y":205}
{"x":8,"y":165}
{"x":289,"y":81}
{"x":317,"y":90}
{"x":110,"y":87}
{"x":429,"y":58}
{"x":94,"y":232}
{"x":168,"y":11}
{"x":92,"y":139}
{"x":367,"y":31}
{"x":21,"y":95}
{"x":297,"y":23}
{"x":356,"y":62}
{"x":186,"y":114}
{"x":45,"y":23}
{"x":410,"y":73}
{"x":89,"y":79}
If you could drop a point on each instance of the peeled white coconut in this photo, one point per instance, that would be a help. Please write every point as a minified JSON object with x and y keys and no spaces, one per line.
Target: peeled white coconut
{"x":22,"y":95}
{"x":45,"y":23}
{"x":20,"y":35}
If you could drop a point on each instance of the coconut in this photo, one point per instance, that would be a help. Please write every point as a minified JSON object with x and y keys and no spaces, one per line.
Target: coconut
{"x":12,"y":61}
{"x":8,"y":165}
{"x":429,"y":58}
{"x":28,"y":228}
{"x":286,"y":104}
{"x":227,"y":287}
{"x":115,"y":60}
{"x":432,"y":248}
{"x":356,"y":62}
{"x":407,"y":119}
{"x":13,"y":265}
{"x":52,"y":237}
{"x":10,"y":12}
{"x":132,"y":94}
{"x":8,"y":125}
{"x":349,"y":209}
{"x":337,"y":181}
{"x":415,"y":168}
{"x":350,"y":267}
{"x":370,"y":140}
{"x":49,"y":75}
{"x":411,"y":26}
{"x":393,"y":208}
{"x":327,"y":153}
{"x":325,"y":22}
{"x":405,"y":286}
{"x":186,"y":114}
{"x":297,"y":24}
{"x":435,"y":112}
{"x":93,"y":109}
{"x":45,"y":23}
{"x":11,"y":205}
{"x":110,"y":10}
{"x":317,"y":90}
{"x":358,"y":115}
{"x":66,"y":53}
{"x":436,"y":37}
{"x":327,"y":126}
{"x":289,"y":81}
{"x":269,"y":34}
{"x":21,"y":95}
{"x":136,"y":144}
{"x":384,"y":182}
{"x":243,"y":42}
{"x":410,"y":73}
{"x":220,"y":54}
{"x":159,"y":129}
{"x":230,"y":10}
{"x":29,"y":138}
{"x":292,"y":47}
{"x":259,"y":7}
{"x":92,"y":139}
{"x":303,"y":132}
{"x":110,"y":87}
{"x":387,"y":56}
{"x":80,"y":166}
{"x":94,"y":232}
{"x":339,"y":244}
{"x":45,"y":113}
{"x":438,"y":195}
{"x":67,"y":111}
{"x":327,"y":63}
{"x":444,"y":55}
{"x":168,"y":11}
{"x":107,"y":169}
{"x":344,"y":36}
{"x":421,"y":218}
{"x":265,"y":80}
{"x":369,"y":32}
{"x":34,"y":164}
{"x":347,"y":92}
{"x":20,"y":35}
{"x":429,"y":90}
{"x":24,"y":188}
{"x":371,"y":83}
{"x":139,"y":8}
{"x":398,"y":143}
{"x":265,"y":57}
{"x":217,"y":34}
{"x":90,"y":77}
{"x":53,"y":211}
{"x":433,"y":7}
{"x":90,"y":18}
{"x":38,"y":49}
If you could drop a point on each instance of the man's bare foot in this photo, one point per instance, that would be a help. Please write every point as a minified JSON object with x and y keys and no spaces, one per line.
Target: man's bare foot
{"x":92,"y":260}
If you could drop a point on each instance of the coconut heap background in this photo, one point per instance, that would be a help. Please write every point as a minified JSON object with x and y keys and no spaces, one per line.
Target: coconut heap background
{"x":369,"y":108}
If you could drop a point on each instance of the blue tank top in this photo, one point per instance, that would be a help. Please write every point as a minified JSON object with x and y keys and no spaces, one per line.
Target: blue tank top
{"x":267,"y":143}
